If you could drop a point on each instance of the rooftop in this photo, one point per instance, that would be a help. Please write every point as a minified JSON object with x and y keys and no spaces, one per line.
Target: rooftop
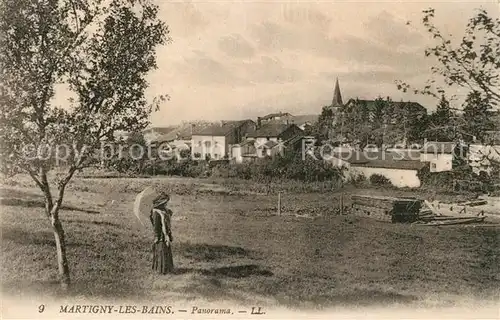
{"x":159,"y":130}
{"x":271,"y":130}
{"x":221,"y":129}
{"x":274,"y":115}
{"x":397,"y":104}
{"x":393,"y":164}
{"x":183,"y":131}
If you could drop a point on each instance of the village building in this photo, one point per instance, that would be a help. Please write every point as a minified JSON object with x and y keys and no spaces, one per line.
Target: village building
{"x":153,"y":133}
{"x":401,"y":174}
{"x":275,"y":117}
{"x":439,"y":155}
{"x":268,"y":140}
{"x":401,"y":169}
{"x":274,"y":132}
{"x":270,"y":135}
{"x":304,"y":122}
{"x":214,"y":142}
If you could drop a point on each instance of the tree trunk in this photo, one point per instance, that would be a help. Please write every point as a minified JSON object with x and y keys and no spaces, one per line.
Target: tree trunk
{"x":62,"y":261}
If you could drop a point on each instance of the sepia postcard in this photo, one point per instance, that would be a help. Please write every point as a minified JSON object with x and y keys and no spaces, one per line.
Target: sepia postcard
{"x":250,"y":159}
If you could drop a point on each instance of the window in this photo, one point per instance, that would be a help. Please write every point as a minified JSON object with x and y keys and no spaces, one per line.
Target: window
{"x":216,"y":156}
{"x":433,"y":166}
{"x":207,"y":144}
{"x":199,"y":144}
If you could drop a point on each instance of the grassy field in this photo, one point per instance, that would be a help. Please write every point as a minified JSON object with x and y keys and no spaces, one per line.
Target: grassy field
{"x":230,"y":245}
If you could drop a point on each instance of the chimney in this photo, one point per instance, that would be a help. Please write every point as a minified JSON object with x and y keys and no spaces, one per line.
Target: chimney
{"x":259,"y":120}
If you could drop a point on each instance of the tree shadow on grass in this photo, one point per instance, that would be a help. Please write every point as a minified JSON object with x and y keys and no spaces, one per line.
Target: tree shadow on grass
{"x":41,"y":238}
{"x":19,"y":198}
{"x":16,"y":193}
{"x":238,"y":271}
{"x":98,"y":223}
{"x":208,"y":252}
{"x":38,"y":203}
{"x":215,"y":284}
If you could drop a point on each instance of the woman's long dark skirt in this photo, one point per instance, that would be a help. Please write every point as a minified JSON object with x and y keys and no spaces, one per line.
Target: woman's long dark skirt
{"x":162,"y":258}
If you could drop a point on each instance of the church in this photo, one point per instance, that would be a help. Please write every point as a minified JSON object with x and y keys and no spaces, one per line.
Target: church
{"x":369,"y":112}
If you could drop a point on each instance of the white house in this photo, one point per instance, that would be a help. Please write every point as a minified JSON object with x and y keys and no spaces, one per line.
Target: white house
{"x":401,"y":173}
{"x":439,"y":155}
{"x":214,"y":142}
{"x":400,"y":170}
{"x":244,"y":151}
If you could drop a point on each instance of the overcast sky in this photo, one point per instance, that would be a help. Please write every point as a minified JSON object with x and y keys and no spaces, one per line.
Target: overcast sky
{"x":233,"y":60}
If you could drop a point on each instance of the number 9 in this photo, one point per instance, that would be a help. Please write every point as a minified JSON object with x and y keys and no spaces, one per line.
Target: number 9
{"x":41,"y":308}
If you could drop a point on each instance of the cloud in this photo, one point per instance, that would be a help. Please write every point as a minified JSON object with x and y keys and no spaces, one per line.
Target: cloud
{"x":247,"y":58}
{"x":370,"y":53}
{"x":370,"y":76}
{"x":305,"y":16}
{"x":270,"y":70}
{"x":202,"y":69}
{"x":387,"y":30}
{"x":272,"y":37}
{"x":183,"y":18}
{"x":236,"y":46}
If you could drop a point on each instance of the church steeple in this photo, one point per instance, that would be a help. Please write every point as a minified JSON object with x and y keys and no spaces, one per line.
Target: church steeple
{"x":337,"y":96}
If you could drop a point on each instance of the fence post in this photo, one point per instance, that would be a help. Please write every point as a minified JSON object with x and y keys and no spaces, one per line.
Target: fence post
{"x":342,"y":203}
{"x":279,"y":203}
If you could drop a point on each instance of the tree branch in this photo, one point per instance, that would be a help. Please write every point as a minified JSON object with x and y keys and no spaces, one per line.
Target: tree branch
{"x":60,"y":195}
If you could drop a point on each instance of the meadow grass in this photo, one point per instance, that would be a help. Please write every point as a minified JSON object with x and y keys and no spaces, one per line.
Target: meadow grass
{"x":230,"y":245}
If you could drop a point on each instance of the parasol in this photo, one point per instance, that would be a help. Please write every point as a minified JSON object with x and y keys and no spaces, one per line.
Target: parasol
{"x":144,"y":203}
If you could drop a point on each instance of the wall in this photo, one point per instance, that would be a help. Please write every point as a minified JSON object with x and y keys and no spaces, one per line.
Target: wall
{"x":236,"y":153}
{"x":217,"y":148}
{"x":439,"y":161}
{"x":399,"y":177}
{"x":242,"y":131}
{"x":181,"y":144}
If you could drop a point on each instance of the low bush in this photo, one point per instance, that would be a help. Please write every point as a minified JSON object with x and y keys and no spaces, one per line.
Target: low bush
{"x":459,"y":180}
{"x":263,"y":170}
{"x":379,"y":180}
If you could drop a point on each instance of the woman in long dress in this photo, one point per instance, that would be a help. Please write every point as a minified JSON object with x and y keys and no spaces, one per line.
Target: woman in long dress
{"x":161,"y":220}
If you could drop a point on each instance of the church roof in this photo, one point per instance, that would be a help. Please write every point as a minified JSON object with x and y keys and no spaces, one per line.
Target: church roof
{"x":337,"y":96}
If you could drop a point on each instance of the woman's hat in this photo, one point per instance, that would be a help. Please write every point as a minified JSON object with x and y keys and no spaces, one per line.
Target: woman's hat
{"x":161,"y":199}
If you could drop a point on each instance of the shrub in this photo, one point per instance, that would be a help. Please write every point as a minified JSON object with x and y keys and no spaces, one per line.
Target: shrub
{"x":358,"y":180}
{"x":379,"y":180}
{"x":460,"y":179}
{"x":264,"y":170}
